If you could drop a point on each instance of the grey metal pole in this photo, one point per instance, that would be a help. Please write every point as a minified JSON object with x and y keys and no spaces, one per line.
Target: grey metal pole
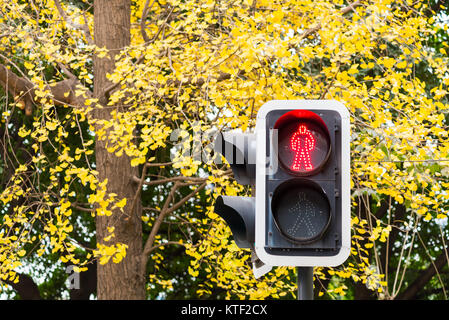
{"x":305,"y":283}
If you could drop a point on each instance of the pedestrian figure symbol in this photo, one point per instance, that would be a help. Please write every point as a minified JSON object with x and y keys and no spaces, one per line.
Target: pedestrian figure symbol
{"x":302,"y":142}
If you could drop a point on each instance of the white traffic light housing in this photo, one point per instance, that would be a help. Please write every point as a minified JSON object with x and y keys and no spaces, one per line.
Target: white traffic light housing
{"x":302,"y":183}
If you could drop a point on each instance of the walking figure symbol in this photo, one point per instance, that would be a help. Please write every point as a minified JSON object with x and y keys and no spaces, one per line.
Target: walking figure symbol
{"x":303,"y":142}
{"x":304,"y":209}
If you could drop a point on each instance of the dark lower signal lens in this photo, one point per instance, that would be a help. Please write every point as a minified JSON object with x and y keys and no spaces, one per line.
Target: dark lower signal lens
{"x":301,"y":210}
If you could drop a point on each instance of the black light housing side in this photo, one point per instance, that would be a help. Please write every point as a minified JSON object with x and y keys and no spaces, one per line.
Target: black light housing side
{"x":239,"y":151}
{"x":239,"y":214}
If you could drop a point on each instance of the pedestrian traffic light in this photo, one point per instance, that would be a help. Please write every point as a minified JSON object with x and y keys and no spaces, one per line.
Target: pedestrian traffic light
{"x":298,"y":162}
{"x":302,"y":183}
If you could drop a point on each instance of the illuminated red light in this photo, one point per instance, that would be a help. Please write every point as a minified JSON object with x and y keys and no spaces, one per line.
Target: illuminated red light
{"x":302,"y":142}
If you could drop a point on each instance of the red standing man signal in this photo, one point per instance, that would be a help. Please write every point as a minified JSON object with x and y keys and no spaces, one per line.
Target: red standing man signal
{"x":303,"y":143}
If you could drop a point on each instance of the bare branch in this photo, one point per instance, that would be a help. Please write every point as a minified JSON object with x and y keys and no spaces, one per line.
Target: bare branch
{"x":158,"y":164}
{"x":166,"y":180}
{"x":83,"y":27}
{"x":164,"y":244}
{"x":343,"y":11}
{"x":350,"y":7}
{"x":25,"y":287}
{"x":75,"y":206}
{"x":139,"y":189}
{"x":146,"y":9}
{"x":23,"y":89}
{"x":163,"y":213}
{"x":178,"y":204}
{"x":66,"y":70}
{"x":424,"y":277}
{"x":156,"y":226}
{"x":12,"y":82}
{"x":20,"y":87}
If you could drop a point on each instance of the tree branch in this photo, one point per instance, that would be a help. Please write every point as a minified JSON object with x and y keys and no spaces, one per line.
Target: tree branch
{"x":83,"y":27}
{"x":20,"y":87}
{"x":156,"y":226}
{"x":75,"y":206}
{"x":343,"y":11}
{"x":146,"y":9}
{"x":26,"y":288}
{"x":148,"y":248}
{"x":424,"y":277}
{"x":23,"y":89}
{"x":164,"y":244}
{"x":166,"y":180}
{"x":178,"y":204}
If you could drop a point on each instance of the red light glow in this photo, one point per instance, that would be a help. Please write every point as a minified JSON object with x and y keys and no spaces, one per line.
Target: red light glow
{"x":302,"y":142}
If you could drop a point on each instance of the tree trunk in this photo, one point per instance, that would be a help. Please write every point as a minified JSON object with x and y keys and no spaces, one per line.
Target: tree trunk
{"x":123,"y":280}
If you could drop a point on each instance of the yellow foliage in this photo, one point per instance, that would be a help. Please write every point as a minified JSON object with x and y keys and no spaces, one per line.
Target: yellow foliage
{"x":210,"y":67}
